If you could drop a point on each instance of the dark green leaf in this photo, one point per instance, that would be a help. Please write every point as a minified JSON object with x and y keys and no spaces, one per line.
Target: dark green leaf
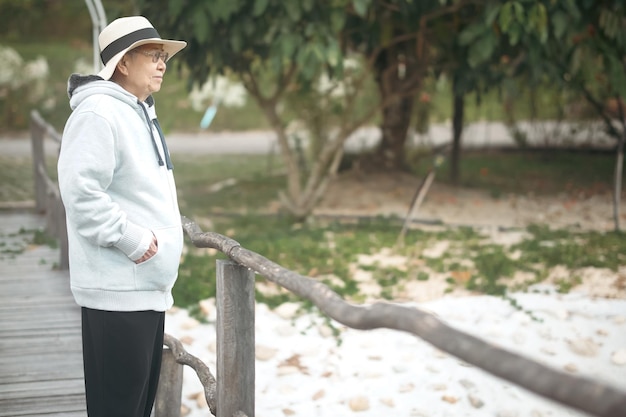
{"x":337,"y":20}
{"x":471,"y":33}
{"x":236,"y":41}
{"x":360,"y":7}
{"x":559,"y":24}
{"x":288,"y":44}
{"x":293,"y":10}
{"x":515,"y":33}
{"x":200,"y":26}
{"x":481,"y":50}
{"x":518,"y":11}
{"x":506,"y":17}
{"x":174,"y":8}
{"x":491,"y":13}
{"x":307,"y":5}
{"x":259,"y":7}
{"x":538,"y":21}
{"x":616,"y":75}
{"x":333,"y":53}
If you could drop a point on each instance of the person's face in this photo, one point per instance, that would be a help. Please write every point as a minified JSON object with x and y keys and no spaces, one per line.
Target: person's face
{"x":145,"y":69}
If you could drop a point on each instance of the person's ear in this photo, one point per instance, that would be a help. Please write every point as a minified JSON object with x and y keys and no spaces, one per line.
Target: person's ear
{"x":122,"y":65}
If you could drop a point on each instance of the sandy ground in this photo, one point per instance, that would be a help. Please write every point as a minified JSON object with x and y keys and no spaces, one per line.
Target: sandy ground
{"x":303,"y":369}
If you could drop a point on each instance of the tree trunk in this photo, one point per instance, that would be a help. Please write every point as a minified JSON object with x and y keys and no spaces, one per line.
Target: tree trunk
{"x":394,"y":128}
{"x":457,"y":131}
{"x":397,"y":79}
{"x":617,"y":192}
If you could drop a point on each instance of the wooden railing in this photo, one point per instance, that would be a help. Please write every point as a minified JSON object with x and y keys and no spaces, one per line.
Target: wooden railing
{"x":232,"y":395}
{"x":47,"y":195}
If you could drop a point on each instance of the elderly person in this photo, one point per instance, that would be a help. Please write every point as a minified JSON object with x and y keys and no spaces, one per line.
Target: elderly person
{"x":123,"y":222}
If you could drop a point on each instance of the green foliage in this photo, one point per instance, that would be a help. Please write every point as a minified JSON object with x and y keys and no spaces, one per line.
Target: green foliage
{"x":592,"y":249}
{"x":230,"y":35}
{"x":16,"y":243}
{"x":42,"y":238}
{"x":196,"y":278}
{"x":61,"y":59}
{"x":173,"y":104}
{"x":493,"y":265}
{"x":583,"y":50}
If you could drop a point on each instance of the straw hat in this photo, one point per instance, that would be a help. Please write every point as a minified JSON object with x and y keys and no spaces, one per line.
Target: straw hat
{"x":126,"y":33}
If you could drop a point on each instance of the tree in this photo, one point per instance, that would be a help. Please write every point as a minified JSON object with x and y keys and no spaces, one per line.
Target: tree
{"x":588,"y":49}
{"x":279,"y":50}
{"x":460,"y":58}
{"x":400,"y":39}
{"x":579,"y":45}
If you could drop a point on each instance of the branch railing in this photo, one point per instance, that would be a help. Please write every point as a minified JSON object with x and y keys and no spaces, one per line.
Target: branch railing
{"x":232,"y":393}
{"x":585,"y":394}
{"x":47,"y":195}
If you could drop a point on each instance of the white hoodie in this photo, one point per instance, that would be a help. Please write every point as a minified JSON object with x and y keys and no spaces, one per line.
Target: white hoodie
{"x":117,"y":193}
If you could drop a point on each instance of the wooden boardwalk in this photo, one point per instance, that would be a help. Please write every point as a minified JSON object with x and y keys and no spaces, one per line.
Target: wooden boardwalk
{"x":40,"y":344}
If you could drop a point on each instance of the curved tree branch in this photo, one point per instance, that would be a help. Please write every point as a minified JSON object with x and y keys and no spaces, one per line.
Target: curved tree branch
{"x":582,"y":393}
{"x":204,"y":373}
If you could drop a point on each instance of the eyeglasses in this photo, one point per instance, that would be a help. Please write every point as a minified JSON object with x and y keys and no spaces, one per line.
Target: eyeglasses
{"x":155,"y":55}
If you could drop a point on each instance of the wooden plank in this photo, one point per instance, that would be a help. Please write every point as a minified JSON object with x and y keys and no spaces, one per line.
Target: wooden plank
{"x":41,"y":371}
{"x":42,"y":388}
{"x":57,"y":363}
{"x":51,"y":300}
{"x":81,"y":413}
{"x":42,"y":406}
{"x":25,"y":306}
{"x":54,"y":312}
{"x":52,"y":375}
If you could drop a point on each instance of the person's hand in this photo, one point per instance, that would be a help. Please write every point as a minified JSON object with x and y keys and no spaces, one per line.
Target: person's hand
{"x":152,"y":250}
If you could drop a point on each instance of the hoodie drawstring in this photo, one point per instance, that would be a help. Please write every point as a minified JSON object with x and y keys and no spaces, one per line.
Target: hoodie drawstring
{"x":156,"y":148}
{"x":168,"y":160}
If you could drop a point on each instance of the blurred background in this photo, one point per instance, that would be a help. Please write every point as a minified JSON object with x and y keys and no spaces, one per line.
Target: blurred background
{"x":506,"y":98}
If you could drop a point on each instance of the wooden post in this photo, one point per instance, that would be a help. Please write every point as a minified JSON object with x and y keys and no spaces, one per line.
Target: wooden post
{"x":37,"y":137}
{"x":170,"y":390}
{"x":235,"y":339}
{"x":64,"y":261}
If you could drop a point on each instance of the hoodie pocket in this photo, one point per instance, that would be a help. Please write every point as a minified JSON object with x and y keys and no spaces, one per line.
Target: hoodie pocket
{"x":160,"y":271}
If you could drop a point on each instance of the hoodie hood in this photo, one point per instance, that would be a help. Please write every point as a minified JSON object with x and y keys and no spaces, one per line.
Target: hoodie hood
{"x":79,"y":87}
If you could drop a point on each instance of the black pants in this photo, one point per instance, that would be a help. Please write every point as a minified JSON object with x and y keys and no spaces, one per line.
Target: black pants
{"x":122,"y":361}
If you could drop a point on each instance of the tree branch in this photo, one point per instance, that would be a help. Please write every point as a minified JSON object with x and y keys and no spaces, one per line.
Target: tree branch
{"x":204,"y":373}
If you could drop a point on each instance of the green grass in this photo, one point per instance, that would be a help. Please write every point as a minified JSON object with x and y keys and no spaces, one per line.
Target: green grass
{"x":540,"y":173}
{"x":320,"y":249}
{"x":256,"y":182}
{"x":306,"y":249}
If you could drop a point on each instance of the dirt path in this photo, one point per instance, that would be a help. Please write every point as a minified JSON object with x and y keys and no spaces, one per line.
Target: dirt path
{"x":353,"y":194}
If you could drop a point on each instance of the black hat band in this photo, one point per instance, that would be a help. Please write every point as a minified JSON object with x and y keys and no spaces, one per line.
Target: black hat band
{"x":125,"y":41}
